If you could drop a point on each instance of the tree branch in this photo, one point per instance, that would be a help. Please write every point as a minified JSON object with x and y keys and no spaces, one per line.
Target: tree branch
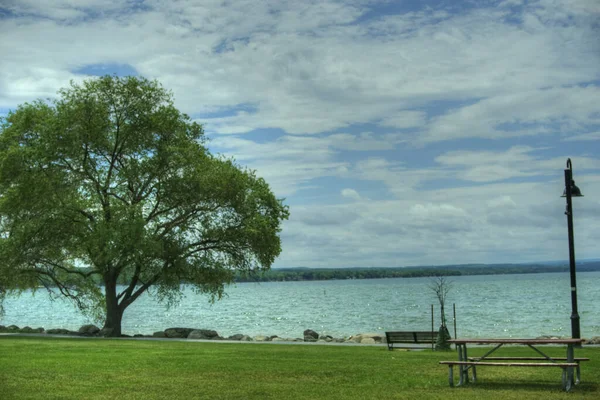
{"x":134,"y":281}
{"x":69,"y":270}
{"x":126,"y":302}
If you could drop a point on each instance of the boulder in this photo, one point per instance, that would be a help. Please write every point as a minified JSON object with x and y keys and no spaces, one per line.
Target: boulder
{"x":12,"y":328}
{"x":89,"y":330}
{"x":203,"y":334}
{"x":237,"y":336}
{"x":593,"y":340}
{"x":326,"y":338}
{"x":28,"y":329}
{"x":261,"y":338}
{"x":159,"y":334}
{"x":310,"y":335}
{"x":365,"y":338}
{"x":59,"y":331}
{"x":178,"y":332}
{"x":278,"y":339}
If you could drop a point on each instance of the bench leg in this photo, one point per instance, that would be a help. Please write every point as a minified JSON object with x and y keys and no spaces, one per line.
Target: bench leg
{"x":474,"y":374}
{"x":578,"y":373}
{"x":567,"y":379}
{"x":451,"y":375}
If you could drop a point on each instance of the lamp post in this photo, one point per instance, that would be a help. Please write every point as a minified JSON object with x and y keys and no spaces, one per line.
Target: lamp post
{"x":572,"y":191}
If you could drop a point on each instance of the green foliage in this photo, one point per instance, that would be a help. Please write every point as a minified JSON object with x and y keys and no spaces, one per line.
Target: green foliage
{"x":111,"y":183}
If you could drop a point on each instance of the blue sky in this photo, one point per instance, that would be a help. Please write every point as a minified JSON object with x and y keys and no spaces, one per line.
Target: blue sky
{"x":399,"y":132}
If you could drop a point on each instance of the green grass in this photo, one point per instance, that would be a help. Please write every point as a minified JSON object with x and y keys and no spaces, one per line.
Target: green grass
{"x":49,"y":368}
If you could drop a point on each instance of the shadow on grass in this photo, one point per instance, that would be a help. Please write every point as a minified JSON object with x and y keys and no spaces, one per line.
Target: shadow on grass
{"x":584,"y":387}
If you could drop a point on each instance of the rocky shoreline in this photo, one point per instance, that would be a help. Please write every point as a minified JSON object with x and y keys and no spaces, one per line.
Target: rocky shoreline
{"x":309,"y":335}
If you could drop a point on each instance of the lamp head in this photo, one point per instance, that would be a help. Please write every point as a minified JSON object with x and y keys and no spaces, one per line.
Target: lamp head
{"x":575,"y":191}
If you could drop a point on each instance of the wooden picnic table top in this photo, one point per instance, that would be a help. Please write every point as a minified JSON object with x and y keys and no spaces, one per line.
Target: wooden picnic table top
{"x":567,"y":341}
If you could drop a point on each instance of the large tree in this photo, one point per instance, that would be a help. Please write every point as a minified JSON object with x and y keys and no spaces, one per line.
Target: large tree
{"x":111,"y":183}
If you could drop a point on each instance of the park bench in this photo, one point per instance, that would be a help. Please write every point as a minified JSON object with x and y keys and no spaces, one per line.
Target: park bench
{"x":576,"y":360}
{"x":473,"y":364}
{"x":411,"y":338}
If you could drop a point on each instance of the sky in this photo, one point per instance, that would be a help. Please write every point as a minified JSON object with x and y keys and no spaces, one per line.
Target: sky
{"x":399,"y":132}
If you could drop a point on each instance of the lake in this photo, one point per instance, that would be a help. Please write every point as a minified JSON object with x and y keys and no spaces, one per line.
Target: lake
{"x":527,"y":305}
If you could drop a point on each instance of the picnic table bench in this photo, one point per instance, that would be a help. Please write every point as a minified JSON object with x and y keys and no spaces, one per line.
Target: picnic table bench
{"x":411,"y":338}
{"x":568,"y":364}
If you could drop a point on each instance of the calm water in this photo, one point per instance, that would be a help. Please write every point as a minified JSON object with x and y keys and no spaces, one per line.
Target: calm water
{"x":487,"y":306}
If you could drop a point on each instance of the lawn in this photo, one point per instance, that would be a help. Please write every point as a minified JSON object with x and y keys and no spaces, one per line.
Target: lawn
{"x":52,"y":368}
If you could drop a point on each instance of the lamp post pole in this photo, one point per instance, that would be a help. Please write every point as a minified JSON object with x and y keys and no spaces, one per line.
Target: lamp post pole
{"x":569,"y":186}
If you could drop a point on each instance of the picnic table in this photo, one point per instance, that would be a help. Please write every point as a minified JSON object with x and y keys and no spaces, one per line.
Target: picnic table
{"x":568,"y":364}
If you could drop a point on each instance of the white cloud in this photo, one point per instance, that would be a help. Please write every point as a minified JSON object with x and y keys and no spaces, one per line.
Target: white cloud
{"x":523,"y":113}
{"x":350,"y":193}
{"x":422,"y":83}
{"x":297,"y":63}
{"x":585,"y":137}
{"x":518,"y":161}
{"x":405,"y":119}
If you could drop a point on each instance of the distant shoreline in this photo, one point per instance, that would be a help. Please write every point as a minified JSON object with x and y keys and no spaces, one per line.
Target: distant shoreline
{"x":323,"y":274}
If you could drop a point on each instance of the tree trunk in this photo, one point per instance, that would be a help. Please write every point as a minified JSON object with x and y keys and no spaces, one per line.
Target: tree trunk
{"x":114,"y":313}
{"x":443,"y":314}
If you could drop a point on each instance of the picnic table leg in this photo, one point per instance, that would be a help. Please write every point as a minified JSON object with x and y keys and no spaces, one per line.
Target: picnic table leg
{"x":570,"y":359}
{"x":566,"y":379}
{"x":462,"y":369}
{"x":451,"y":375}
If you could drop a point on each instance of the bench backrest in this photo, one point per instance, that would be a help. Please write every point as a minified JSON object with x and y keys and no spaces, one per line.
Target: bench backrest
{"x":411,"y":337}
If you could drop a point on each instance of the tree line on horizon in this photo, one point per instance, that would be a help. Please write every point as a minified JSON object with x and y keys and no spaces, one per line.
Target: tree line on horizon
{"x":322,"y":274}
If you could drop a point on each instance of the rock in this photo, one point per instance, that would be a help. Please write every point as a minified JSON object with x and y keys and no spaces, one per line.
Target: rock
{"x":310,"y":335}
{"x":203,"y":334}
{"x":237,"y":336}
{"x":159,"y":334}
{"x":28,"y":329}
{"x":59,"y":331}
{"x":12,"y":328}
{"x":326,"y":338}
{"x":365,"y":338}
{"x":261,"y":338}
{"x":138,"y":335}
{"x":593,"y":340}
{"x":278,"y":339}
{"x":178,"y":332}
{"x":89,"y":330}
